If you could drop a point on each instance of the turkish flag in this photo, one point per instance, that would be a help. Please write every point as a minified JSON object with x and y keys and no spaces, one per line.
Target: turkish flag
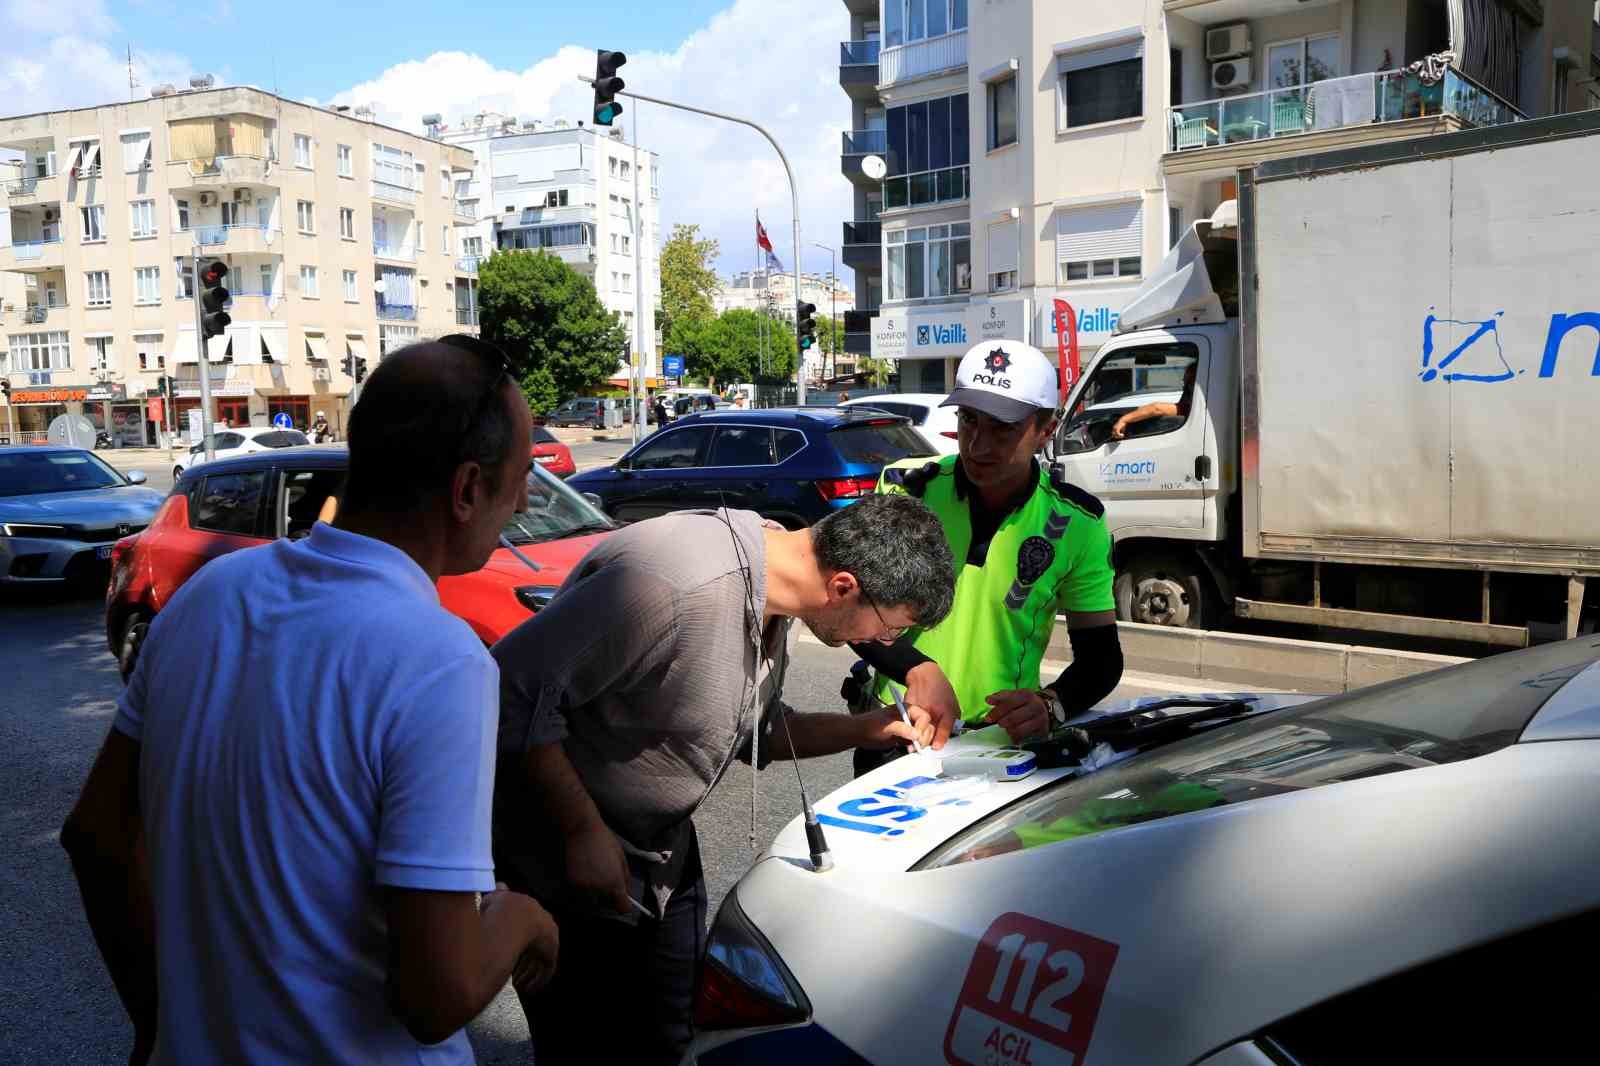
{"x":761,"y":237}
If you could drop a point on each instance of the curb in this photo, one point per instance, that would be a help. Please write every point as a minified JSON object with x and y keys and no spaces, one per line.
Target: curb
{"x":1258,"y":662}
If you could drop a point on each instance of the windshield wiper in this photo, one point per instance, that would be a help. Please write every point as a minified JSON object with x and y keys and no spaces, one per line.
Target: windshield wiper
{"x":1142,"y":727}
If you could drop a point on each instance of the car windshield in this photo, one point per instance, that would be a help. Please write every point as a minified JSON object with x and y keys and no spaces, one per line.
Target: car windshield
{"x":1420,"y":721}
{"x":878,"y":443}
{"x":283,"y":438}
{"x":543,"y":436}
{"x":554,"y":511}
{"x":36,"y":473}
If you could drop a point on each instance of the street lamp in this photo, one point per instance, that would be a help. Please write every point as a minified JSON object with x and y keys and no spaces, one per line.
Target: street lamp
{"x":833,"y":308}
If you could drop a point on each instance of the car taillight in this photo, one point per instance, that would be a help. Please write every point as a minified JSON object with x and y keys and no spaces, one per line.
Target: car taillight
{"x":743,"y":984}
{"x":846,"y":488}
{"x":121,"y":565}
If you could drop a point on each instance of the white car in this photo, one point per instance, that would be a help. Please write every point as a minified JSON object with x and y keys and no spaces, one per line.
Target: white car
{"x":1406,"y":873}
{"x":936,"y":424}
{"x":244,"y":440}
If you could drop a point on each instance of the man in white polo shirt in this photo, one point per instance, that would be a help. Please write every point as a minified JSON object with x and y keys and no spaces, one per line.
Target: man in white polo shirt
{"x":306,"y":752}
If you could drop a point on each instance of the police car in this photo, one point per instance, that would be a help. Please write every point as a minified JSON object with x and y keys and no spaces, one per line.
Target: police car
{"x":1406,"y":873}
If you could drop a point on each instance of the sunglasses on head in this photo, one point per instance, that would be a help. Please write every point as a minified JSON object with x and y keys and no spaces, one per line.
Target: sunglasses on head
{"x":492,"y":357}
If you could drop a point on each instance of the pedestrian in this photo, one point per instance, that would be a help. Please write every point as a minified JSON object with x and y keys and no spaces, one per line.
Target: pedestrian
{"x":843,"y":396}
{"x":626,"y":697}
{"x":283,"y":840}
{"x":321,"y":432}
{"x":1033,"y":545}
{"x":658,"y":410}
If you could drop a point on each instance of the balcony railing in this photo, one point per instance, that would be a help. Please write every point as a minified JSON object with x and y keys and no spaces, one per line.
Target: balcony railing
{"x":913,"y":60}
{"x":466,"y":317}
{"x":394,"y":251}
{"x":23,"y":188}
{"x":865,"y":142}
{"x":466,"y":210}
{"x":26,"y":251}
{"x":468,"y":264}
{"x":863,"y":231}
{"x":37,"y":314}
{"x":1336,"y":103}
{"x":397,"y":312}
{"x":400,"y":194}
{"x":858,"y":53}
{"x":210,"y":236}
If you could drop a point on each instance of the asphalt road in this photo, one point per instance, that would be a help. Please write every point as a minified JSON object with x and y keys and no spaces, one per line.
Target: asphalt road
{"x":57,"y":1005}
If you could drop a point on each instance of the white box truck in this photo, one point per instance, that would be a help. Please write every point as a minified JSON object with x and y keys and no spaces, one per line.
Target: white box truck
{"x":1365,"y":395}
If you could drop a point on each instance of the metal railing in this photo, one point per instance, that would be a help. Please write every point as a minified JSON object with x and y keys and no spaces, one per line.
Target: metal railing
{"x":858,"y":53}
{"x":400,"y":194}
{"x":468,"y":264}
{"x":24,"y":187}
{"x":397,"y":312}
{"x":863,"y":231}
{"x":865,"y":142}
{"x":1334,"y":103}
{"x":26,"y":251}
{"x":465,"y":317}
{"x":34,"y":314}
{"x":209,"y":236}
{"x":394,"y":251}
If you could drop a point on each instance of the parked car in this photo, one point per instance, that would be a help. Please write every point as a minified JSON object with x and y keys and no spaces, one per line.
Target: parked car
{"x":792,"y":464}
{"x":552,"y":454}
{"x":245,"y":440}
{"x":61,"y":509}
{"x":586,"y":411}
{"x":237,"y":503}
{"x":937,"y":424}
{"x":1233,"y":879}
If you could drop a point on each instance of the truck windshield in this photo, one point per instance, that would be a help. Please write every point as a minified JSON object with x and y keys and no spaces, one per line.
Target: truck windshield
{"x":1427,"y":720}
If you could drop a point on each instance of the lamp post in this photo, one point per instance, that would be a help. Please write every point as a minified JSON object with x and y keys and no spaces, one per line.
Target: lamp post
{"x":833,"y":304}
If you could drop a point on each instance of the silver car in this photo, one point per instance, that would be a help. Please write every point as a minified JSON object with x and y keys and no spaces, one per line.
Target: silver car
{"x":1408,"y":873}
{"x":61,"y":510}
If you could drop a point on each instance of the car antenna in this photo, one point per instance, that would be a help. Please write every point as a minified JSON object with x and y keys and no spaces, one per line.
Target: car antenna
{"x":529,"y":563}
{"x":821,"y":857}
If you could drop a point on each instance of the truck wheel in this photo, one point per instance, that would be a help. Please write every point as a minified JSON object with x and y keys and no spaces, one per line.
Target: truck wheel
{"x":1165,"y":590}
{"x":134,"y":630}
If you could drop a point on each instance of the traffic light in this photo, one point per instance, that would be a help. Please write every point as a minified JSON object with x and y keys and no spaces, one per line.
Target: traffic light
{"x":349,"y":364}
{"x":213,"y":319}
{"x":805,"y":326}
{"x":606,"y":86}
{"x":360,"y":371}
{"x":5,"y":388}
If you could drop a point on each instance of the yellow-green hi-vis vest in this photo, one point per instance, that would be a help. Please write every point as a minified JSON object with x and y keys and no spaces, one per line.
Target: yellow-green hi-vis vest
{"x":1052,"y":553}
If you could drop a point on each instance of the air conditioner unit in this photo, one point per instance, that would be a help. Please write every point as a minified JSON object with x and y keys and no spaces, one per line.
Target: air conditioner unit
{"x":49,"y":214}
{"x":321,"y":373}
{"x":242,"y":196}
{"x":1231,"y":74}
{"x":207,"y":199}
{"x":1226,"y":42}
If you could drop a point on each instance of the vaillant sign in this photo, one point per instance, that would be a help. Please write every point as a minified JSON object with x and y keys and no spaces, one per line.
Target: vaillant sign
{"x":1099,"y":311}
{"x":946,"y":332}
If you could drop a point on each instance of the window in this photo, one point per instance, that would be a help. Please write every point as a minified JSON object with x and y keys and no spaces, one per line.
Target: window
{"x":444,"y":239}
{"x":556,"y":198}
{"x":144,"y":218}
{"x":230,"y":213}
{"x":566,"y":235}
{"x":673,"y":450}
{"x":40,"y":351}
{"x":147,"y":285}
{"x":627,"y":245}
{"x":101,"y":347}
{"x":304,"y":493}
{"x":1126,"y":381}
{"x":627,"y":283}
{"x":444,"y":182}
{"x":625,"y":170}
{"x":347,"y":223}
{"x":308,"y":282}
{"x":231,"y":503}
{"x":305,"y":214}
{"x":350,"y":293}
{"x":302,"y":150}
{"x":94,"y":223}
{"x":266,"y":279}
{"x":616,"y":285}
{"x":392,"y":337}
{"x":1104,"y":241}
{"x":1003,"y":256}
{"x":472,"y":246}
{"x":613,"y":162}
{"x":743,"y":446}
{"x":929,"y":261}
{"x":789,"y":441}
{"x":346,"y":162}
{"x":1302,"y":61}
{"x":928,"y":152}
{"x":184,"y":272}
{"x":1100,"y":84}
{"x":98,"y":288}
{"x":135,"y":152}
{"x":905,"y":21}
{"x":147,"y":348}
{"x":1002,"y":97}
{"x":183,"y":215}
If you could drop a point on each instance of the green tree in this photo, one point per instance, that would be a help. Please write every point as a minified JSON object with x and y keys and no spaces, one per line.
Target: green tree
{"x":875,"y":371}
{"x":728,"y":348}
{"x":688,"y":281}
{"x":547,"y":315}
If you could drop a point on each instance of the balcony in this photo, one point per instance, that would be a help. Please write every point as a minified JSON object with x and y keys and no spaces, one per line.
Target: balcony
{"x":50,"y":315}
{"x":468,"y":264}
{"x":33,"y":190}
{"x":466,"y":317}
{"x":856,"y":146}
{"x":862,"y":246}
{"x":397,"y":253}
{"x":1335,"y":113}
{"x":239,"y":239}
{"x":465,"y":210}
{"x":919,"y":58}
{"x":394,"y":194}
{"x":397,"y":312}
{"x":221,"y":171}
{"x":33,"y":255}
{"x":858,"y":69}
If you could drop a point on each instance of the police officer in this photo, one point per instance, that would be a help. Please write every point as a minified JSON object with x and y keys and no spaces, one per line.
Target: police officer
{"x":1032,"y":545}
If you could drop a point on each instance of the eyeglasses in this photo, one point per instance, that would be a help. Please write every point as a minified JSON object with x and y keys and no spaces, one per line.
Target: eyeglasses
{"x":890,"y":633}
{"x":493,"y":357}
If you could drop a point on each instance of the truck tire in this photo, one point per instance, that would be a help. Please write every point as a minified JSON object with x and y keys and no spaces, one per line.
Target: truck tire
{"x":1165,"y":589}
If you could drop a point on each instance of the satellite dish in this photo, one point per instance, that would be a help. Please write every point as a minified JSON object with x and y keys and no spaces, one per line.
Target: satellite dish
{"x":380,"y":285}
{"x":74,"y":431}
{"x":874,"y":167}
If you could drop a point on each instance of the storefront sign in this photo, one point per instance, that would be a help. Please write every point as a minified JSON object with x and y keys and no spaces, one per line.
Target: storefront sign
{"x":64,"y":394}
{"x":226,"y":387}
{"x":948,"y":331}
{"x":1099,"y":311}
{"x":107,"y":391}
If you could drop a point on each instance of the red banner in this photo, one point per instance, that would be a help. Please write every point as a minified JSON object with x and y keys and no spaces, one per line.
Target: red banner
{"x":155,"y":407}
{"x":1067,"y":345}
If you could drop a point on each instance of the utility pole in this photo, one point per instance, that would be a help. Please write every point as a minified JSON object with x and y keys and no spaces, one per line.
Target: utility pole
{"x":636,"y":372}
{"x":833,"y":306}
{"x":794,"y":190}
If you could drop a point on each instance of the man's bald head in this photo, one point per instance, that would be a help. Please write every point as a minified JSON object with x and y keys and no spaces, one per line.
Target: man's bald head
{"x":426,"y":409}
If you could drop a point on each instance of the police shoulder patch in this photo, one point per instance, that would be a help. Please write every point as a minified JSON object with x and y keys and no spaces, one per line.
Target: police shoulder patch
{"x":1076,"y":495}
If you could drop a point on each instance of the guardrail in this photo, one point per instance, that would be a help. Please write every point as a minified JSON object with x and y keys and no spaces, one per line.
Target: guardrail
{"x":468,"y":264}
{"x":400,"y":194}
{"x":24,"y":187}
{"x":26,"y":251}
{"x":858,"y":53}
{"x":865,"y":142}
{"x":210,"y":236}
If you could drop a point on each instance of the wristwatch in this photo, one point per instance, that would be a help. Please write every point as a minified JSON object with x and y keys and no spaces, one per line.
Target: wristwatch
{"x":1053,"y":709}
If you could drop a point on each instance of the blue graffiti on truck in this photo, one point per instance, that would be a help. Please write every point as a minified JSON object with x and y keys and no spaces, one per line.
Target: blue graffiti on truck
{"x":1489,"y":364}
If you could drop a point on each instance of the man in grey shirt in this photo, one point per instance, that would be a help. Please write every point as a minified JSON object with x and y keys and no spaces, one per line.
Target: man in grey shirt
{"x":622,"y":702}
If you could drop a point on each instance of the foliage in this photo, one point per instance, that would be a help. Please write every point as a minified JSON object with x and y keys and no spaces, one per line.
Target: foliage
{"x":874,"y":372}
{"x":728,"y":348}
{"x":546,"y":315}
{"x":688,"y":281}
{"x":830,"y":334}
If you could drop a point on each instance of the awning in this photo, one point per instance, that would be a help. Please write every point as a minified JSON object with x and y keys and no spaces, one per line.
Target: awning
{"x":318,"y":345}
{"x":184,"y":349}
{"x":357,"y":346}
{"x":277,"y":342}
{"x":217,"y":347}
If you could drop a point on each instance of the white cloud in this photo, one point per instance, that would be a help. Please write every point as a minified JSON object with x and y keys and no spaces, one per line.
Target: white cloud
{"x":760,"y":59}
{"x":60,"y":58}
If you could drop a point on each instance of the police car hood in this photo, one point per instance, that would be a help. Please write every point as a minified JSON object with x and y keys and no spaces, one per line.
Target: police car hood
{"x":889,"y":819}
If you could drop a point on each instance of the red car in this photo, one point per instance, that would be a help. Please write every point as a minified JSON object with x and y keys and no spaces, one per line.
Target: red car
{"x":552,"y":454}
{"x":223,"y":506}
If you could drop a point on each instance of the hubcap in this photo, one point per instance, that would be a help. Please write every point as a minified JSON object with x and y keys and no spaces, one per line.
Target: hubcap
{"x":130,"y":646}
{"x":1160,"y":601}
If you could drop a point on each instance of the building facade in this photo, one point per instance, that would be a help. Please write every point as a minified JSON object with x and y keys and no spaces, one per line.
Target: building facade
{"x":1034,"y":152}
{"x":569,"y":190}
{"x":339,"y":234}
{"x":754,"y":289}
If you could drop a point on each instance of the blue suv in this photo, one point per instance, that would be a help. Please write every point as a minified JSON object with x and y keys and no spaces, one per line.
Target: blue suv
{"x":790,"y":464}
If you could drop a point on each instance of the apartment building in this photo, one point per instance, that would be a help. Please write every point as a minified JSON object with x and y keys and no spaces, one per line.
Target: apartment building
{"x":340,"y":237}
{"x":1050,"y":152}
{"x":751,"y":289}
{"x":569,"y":189}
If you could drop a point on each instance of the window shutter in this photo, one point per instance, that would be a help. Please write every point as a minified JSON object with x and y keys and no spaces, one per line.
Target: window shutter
{"x":1099,"y":57}
{"x":1107,"y":231}
{"x":135,"y":152}
{"x":1002,"y":247}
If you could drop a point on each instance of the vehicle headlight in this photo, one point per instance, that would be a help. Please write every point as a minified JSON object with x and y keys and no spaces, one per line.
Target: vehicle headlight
{"x":535,"y":597}
{"x":30,"y":529}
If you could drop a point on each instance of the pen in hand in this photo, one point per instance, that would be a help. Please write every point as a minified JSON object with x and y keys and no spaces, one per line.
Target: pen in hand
{"x":905,"y":715}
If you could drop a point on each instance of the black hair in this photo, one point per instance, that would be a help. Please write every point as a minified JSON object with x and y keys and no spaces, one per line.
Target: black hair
{"x":896,"y":549}
{"x":426,"y":409}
